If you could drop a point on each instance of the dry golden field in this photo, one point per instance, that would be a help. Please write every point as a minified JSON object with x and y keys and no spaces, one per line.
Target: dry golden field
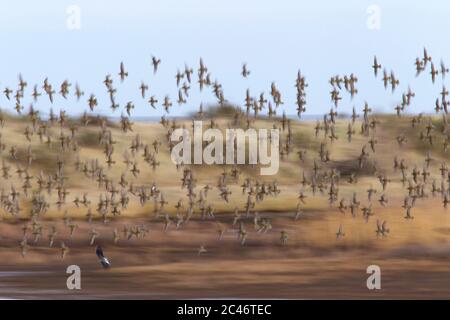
{"x":159,"y":263}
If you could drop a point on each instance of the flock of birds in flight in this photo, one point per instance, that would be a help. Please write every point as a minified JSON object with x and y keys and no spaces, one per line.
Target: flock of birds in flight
{"x":115,"y":195}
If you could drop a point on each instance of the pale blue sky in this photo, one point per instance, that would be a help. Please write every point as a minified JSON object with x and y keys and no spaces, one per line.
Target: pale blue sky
{"x":275,"y":38}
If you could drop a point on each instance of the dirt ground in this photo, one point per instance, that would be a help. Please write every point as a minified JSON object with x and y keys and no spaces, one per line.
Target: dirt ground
{"x":414,"y":260}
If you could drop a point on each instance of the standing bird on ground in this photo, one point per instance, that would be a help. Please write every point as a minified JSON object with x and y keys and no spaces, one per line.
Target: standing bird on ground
{"x":103,"y":260}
